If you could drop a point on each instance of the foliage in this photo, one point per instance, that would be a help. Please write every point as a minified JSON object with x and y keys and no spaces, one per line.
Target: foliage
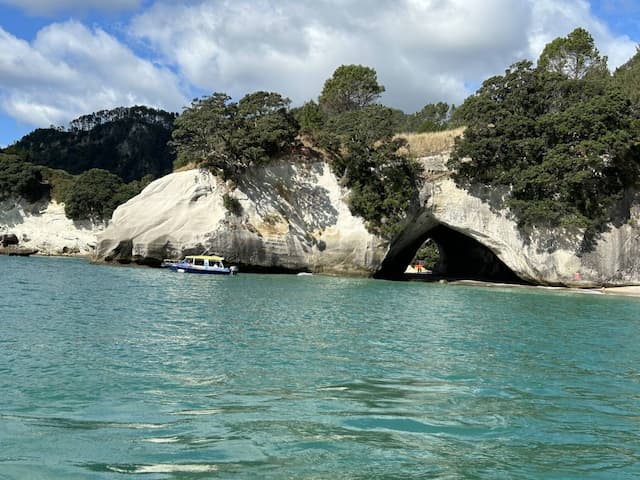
{"x":428,"y":255}
{"x":232,"y":205}
{"x":383,"y":183}
{"x":365,"y":126}
{"x":129,"y":142}
{"x":562,"y":145}
{"x":220,"y":134}
{"x":96,"y":193}
{"x":433,"y":117}
{"x":627,"y":78}
{"x":310,"y":117}
{"x":574,"y":56}
{"x":59,"y":181}
{"x":351,"y":87}
{"x":384,"y":186}
{"x":20,"y":179}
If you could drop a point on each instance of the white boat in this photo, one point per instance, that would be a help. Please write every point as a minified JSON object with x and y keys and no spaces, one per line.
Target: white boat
{"x":204,"y":264}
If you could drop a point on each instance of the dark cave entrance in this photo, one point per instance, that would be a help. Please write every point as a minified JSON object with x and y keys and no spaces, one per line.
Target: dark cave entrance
{"x":460,"y":258}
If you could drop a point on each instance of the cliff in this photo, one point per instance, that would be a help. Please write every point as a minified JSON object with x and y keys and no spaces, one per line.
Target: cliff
{"x":43,"y":226}
{"x":280,"y":218}
{"x":296,"y":218}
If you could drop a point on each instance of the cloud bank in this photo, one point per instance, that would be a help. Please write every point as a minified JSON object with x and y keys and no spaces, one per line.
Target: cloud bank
{"x":423,"y":50}
{"x":70,"y":70}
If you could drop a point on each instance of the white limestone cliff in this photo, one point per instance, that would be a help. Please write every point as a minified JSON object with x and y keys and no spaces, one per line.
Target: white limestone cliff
{"x":293,"y":218}
{"x":43,"y":226}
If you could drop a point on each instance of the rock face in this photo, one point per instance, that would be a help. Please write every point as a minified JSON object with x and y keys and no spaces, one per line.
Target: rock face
{"x":296,"y":218}
{"x":547,"y":257}
{"x":284,"y":217}
{"x":43,"y":227}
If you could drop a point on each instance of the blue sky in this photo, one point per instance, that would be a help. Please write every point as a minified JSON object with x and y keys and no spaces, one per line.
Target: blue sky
{"x":62,"y":59}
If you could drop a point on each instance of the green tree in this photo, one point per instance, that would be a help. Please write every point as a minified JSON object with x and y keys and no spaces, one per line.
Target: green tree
{"x":20,"y":179}
{"x":309,"y":117}
{"x":351,"y":87}
{"x":563,"y":147}
{"x":433,"y":117}
{"x":96,"y":193}
{"x":383,"y":183}
{"x":217,"y":133}
{"x":575,"y":56}
{"x":267,"y":126}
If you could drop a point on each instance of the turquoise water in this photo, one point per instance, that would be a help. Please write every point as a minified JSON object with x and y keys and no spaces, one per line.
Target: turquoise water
{"x":120,"y":373}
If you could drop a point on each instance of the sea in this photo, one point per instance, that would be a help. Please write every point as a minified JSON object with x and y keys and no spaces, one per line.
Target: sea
{"x":123,"y":372}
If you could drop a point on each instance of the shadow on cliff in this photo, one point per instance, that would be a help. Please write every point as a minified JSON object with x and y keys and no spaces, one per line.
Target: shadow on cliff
{"x":303,"y":204}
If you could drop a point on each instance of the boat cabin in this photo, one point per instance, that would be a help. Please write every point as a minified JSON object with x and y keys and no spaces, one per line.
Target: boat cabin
{"x":204,"y":261}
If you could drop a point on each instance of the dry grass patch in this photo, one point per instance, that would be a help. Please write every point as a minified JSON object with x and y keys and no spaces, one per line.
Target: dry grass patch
{"x":184,"y":168}
{"x":432,"y":143}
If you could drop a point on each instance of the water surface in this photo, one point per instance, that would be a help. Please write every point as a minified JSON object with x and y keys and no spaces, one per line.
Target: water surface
{"x":115,"y":373}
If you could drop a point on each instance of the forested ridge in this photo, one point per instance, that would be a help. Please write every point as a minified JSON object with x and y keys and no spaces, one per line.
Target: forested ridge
{"x":560,"y":137}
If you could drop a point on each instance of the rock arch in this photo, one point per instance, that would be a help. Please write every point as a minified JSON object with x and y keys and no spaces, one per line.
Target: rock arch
{"x":461,"y":256}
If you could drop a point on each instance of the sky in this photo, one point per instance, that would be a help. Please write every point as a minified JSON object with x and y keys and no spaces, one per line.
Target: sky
{"x":60,"y":59}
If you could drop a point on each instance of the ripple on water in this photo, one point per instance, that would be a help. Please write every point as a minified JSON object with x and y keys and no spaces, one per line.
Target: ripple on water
{"x":263,"y":376}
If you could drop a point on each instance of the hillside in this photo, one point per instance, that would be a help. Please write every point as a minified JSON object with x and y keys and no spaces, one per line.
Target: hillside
{"x":128,"y":142}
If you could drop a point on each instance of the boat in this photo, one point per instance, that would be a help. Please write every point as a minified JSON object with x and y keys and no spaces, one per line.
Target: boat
{"x":206,"y":264}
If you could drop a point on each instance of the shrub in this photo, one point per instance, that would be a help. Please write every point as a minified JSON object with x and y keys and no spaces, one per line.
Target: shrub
{"x":232,"y":205}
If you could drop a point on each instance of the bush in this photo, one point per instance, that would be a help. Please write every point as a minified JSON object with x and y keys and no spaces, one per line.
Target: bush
{"x":96,"y":193}
{"x":20,"y":179}
{"x":232,"y":205}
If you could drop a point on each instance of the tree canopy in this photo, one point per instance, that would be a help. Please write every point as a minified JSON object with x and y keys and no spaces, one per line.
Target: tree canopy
{"x":129,"y":142}
{"x":351,"y":87}
{"x":218,"y":133}
{"x":562,"y":144}
{"x":575,"y":56}
{"x":20,"y":179}
{"x":96,"y":193}
{"x":627,"y":78}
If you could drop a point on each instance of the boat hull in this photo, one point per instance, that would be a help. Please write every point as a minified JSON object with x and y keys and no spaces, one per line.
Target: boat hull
{"x":180,"y":268}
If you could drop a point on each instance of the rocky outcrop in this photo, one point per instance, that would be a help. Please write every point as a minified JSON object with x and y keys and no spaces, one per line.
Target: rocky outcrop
{"x":43,"y":227}
{"x":281,"y":218}
{"x":540,"y":256}
{"x":7,"y":239}
{"x":296,"y":218}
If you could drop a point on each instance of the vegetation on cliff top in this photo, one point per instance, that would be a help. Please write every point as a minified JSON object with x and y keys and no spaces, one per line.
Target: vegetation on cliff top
{"x":226,"y":136}
{"x":561,"y":137}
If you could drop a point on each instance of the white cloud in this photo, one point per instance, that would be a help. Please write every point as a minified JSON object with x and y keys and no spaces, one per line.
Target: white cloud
{"x":49,"y":7}
{"x":69,"y":70}
{"x":423,"y":50}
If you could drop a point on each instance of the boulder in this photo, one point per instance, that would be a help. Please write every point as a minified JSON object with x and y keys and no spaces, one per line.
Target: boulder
{"x":7,"y":239}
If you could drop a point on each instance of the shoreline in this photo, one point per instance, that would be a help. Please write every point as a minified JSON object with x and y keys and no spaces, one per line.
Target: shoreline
{"x":623,"y":291}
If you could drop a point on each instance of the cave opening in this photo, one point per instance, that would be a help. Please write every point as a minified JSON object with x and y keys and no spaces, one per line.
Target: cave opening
{"x":448,"y":255}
